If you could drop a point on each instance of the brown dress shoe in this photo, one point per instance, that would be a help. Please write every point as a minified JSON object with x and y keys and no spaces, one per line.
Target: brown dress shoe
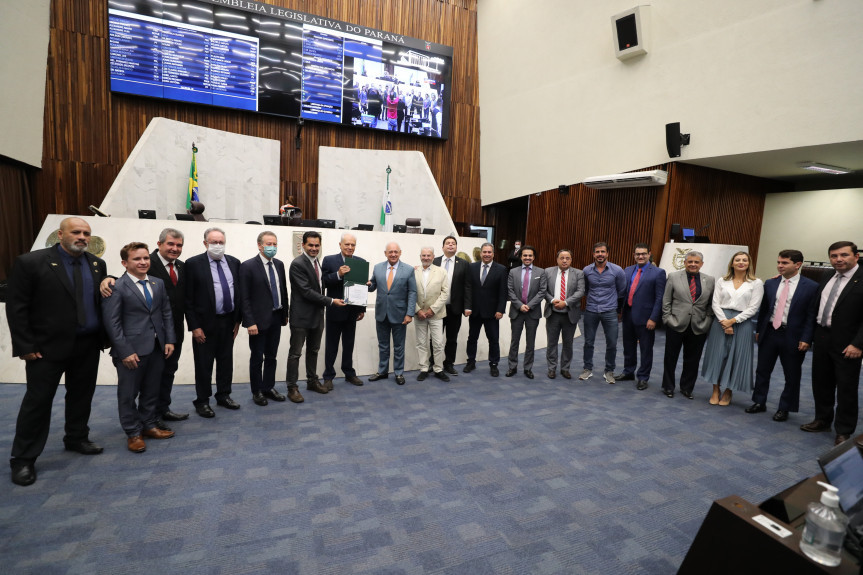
{"x":294,"y":395}
{"x":136,"y":444}
{"x":354,"y":380}
{"x":156,"y":433}
{"x":328,"y":384}
{"x":315,"y":385}
{"x":841,"y":439}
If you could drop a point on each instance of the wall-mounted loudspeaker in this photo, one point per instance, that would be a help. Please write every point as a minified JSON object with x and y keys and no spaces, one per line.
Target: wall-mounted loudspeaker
{"x":563,"y":190}
{"x":674,"y":139}
{"x":630,"y":31}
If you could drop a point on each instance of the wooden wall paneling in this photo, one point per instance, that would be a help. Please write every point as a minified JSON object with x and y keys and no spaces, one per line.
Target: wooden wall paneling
{"x":16,"y":230}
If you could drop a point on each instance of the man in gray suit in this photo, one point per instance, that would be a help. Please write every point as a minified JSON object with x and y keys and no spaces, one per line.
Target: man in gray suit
{"x":526,"y":287}
{"x":565,"y":288}
{"x":138,"y":320}
{"x":687,"y":314}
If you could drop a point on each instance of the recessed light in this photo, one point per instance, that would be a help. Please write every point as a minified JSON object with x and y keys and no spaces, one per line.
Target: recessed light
{"x":823,"y":168}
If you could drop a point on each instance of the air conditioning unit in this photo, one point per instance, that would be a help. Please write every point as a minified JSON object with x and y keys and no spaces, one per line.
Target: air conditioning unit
{"x":630,"y":180}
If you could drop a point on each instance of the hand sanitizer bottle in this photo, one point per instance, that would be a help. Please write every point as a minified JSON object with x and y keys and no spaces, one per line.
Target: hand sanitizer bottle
{"x":825,"y":529}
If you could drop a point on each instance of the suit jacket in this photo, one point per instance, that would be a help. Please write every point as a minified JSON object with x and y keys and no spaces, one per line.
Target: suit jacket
{"x":678,"y":309}
{"x":846,"y":319}
{"x":307,"y":295}
{"x":574,"y":292}
{"x":256,"y":298}
{"x":335,"y":287}
{"x":801,"y":314}
{"x":488,"y":298}
{"x":40,"y":305}
{"x":535,"y":292}
{"x":432,"y":296}
{"x":201,"y":293}
{"x":176,"y":293}
{"x":460,"y":290}
{"x":401,"y":299}
{"x":647,"y":299}
{"x":133,"y":327}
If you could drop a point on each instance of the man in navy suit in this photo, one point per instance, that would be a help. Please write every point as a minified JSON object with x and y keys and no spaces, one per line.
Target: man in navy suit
{"x":213,"y":317}
{"x":395,"y":306}
{"x":264,"y":306}
{"x":485,"y":307}
{"x":341,"y":322}
{"x":459,"y":293}
{"x":137,"y":318}
{"x":526,"y":287}
{"x":642,"y":310}
{"x":784,"y":332}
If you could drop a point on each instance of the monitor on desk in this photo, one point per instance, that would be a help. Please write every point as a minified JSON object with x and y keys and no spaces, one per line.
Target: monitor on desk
{"x":688,"y":234}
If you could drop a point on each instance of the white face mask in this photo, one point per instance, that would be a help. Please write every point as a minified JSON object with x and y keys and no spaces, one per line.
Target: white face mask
{"x":216,"y":251}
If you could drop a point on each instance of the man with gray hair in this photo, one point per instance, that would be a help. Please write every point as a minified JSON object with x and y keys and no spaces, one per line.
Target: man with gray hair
{"x":432,"y":292}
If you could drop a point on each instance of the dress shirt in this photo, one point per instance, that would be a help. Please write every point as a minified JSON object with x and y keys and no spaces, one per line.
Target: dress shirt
{"x":604,"y":289}
{"x":138,"y":285}
{"x":265,"y":261}
{"x":746,"y":299}
{"x":449,"y":271}
{"x":319,"y":273}
{"x":825,"y":293}
{"x":426,"y":274}
{"x":91,"y":325}
{"x":217,"y":287}
{"x":792,"y":287}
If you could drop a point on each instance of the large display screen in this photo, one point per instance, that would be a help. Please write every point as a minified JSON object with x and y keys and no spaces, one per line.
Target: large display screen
{"x":259,"y":57}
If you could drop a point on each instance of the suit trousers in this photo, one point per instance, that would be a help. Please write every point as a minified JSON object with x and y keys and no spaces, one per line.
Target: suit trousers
{"x":346,"y":331}
{"x":637,"y":337}
{"x":773,"y":344}
{"x":492,"y":334}
{"x":218,"y":348}
{"x":693,"y":345}
{"x":592,"y":320}
{"x":556,"y":324}
{"x":167,"y":384}
{"x":263,"y":348}
{"x":835,"y":379}
{"x":141,"y":384}
{"x":43,"y":377}
{"x":451,"y":326}
{"x":311,"y":338}
{"x":398,"y":331}
{"x":433,"y":328}
{"x":517,"y":325}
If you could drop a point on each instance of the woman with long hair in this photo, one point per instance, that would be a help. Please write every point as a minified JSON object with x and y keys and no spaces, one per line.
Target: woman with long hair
{"x":730,"y":345}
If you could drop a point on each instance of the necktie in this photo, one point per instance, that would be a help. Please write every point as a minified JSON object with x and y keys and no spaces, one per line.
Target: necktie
{"x":525,"y":284}
{"x":484,"y":273}
{"x":318,"y":272}
{"x":693,"y":290}
{"x":563,"y":286}
{"x":831,"y":299}
{"x":780,"y":306}
{"x":273,"y":288}
{"x":446,"y":265}
{"x":79,"y":291}
{"x":147,"y":297}
{"x":172,"y":273}
{"x":390,"y":278}
{"x":633,"y":286}
{"x":227,"y":302}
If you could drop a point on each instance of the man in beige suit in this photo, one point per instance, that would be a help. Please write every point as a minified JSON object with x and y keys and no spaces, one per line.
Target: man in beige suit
{"x":432,"y":291}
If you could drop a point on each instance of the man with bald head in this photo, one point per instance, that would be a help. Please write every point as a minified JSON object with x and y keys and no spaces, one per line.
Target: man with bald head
{"x":56,"y":328}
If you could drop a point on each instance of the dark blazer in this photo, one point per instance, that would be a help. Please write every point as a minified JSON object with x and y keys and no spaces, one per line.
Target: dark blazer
{"x":801,"y":314}
{"x":401,"y":299}
{"x":460,"y":291}
{"x":647,"y":299}
{"x":574,"y":292}
{"x":176,"y":293}
{"x":201,"y":293}
{"x":256,"y":298}
{"x":535,"y":292}
{"x":335,"y":288}
{"x":307,"y":296}
{"x":846,"y":319}
{"x":40,"y":304}
{"x":132,"y":327}
{"x":488,"y":298}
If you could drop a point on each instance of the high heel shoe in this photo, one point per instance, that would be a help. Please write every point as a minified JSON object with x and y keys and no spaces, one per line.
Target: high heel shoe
{"x":714,"y":399}
{"x":726,"y":397}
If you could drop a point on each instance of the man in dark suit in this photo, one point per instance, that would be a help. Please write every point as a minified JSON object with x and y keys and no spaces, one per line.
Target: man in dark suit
{"x":459,"y":293}
{"x":264,"y":307}
{"x":137,"y":318}
{"x":485,"y":307}
{"x":564,"y":290}
{"x":687,"y":313}
{"x":526,"y":287}
{"x":514,"y":257}
{"x":341,"y":322}
{"x":307,"y":315}
{"x":395,"y":306}
{"x":55,"y":325}
{"x":838,"y":344}
{"x":213,"y":317}
{"x":642,"y":310}
{"x":784,"y":329}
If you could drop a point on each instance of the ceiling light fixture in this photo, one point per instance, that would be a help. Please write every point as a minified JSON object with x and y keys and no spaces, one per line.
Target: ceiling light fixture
{"x":823,"y":168}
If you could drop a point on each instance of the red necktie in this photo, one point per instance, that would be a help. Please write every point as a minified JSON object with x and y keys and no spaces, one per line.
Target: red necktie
{"x":563,"y":286}
{"x":634,"y":285}
{"x":173,"y":273}
{"x":692,"y":291}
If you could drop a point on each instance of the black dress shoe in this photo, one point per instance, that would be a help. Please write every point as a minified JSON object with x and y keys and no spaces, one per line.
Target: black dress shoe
{"x":354,"y":380}
{"x":171,"y":416}
{"x":686,"y":394}
{"x":511,"y":372}
{"x":259,"y":399}
{"x":273,"y":394}
{"x":624,"y":377}
{"x":160,"y":424}
{"x":228,"y":403}
{"x":815,"y":426}
{"x":377,"y":376}
{"x":24,"y":474}
{"x":441,"y":375}
{"x":641,"y":385}
{"x":528,"y":374}
{"x":85,"y":447}
{"x":565,"y":373}
{"x":204,"y":410}
{"x":400,"y":379}
{"x":469,"y":367}
{"x":668,"y":392}
{"x":551,"y":374}
{"x":780,"y":415}
{"x":494,"y":371}
{"x":840,"y":439}
{"x":756,"y":408}
{"x":450,"y":369}
{"x":422,"y":376}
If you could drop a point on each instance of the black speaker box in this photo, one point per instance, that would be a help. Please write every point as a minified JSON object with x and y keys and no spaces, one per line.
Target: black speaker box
{"x":672,"y":139}
{"x":675,"y":230}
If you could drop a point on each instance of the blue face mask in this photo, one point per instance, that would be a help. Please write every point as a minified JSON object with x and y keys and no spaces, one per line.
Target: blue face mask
{"x":270,"y":251}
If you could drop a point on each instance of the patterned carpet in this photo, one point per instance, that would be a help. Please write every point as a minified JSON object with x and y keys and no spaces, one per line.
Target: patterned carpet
{"x":478,"y":476}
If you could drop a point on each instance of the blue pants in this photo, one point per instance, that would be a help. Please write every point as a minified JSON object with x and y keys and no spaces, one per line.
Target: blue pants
{"x":398,"y":332}
{"x":592,"y":320}
{"x":637,"y":338}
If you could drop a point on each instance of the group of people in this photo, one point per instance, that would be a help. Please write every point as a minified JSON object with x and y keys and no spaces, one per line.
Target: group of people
{"x":63,"y":308}
{"x":398,"y":107}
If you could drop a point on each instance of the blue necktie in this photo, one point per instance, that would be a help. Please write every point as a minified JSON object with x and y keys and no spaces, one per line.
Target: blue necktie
{"x":273,"y":289}
{"x":147,"y":295}
{"x":227,"y":302}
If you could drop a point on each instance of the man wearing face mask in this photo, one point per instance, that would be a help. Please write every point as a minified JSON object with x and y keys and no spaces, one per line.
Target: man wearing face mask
{"x":264,"y":307}
{"x":514,"y":257}
{"x":213,"y":317}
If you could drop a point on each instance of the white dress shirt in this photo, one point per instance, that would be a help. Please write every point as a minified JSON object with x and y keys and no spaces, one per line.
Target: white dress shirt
{"x":746,"y":299}
{"x":792,"y":287}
